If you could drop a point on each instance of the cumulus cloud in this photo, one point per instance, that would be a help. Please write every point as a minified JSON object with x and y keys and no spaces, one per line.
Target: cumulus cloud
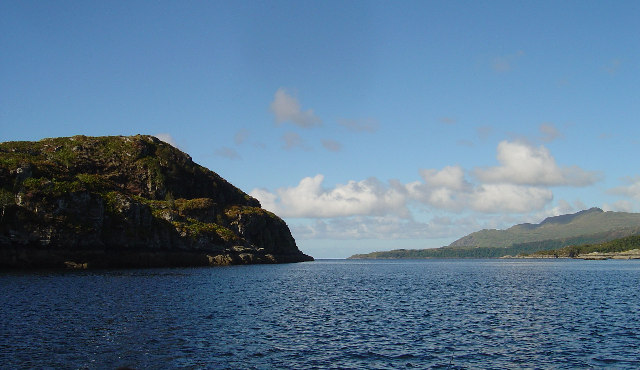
{"x":445,"y":189}
{"x":310,"y":200}
{"x":494,"y":198}
{"x":374,"y":209}
{"x":360,"y":125}
{"x":523,"y":164}
{"x":451,"y":177}
{"x":331,"y":145}
{"x":286,"y":108}
{"x":448,"y":190}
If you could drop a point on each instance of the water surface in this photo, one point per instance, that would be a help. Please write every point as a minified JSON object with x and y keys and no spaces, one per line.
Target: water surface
{"x":327,"y":314}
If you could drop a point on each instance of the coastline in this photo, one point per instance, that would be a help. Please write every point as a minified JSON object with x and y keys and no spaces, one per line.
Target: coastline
{"x":632,"y":254}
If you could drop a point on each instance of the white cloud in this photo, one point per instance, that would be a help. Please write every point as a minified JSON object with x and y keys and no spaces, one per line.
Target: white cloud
{"x":494,"y":198}
{"x":375,"y":209}
{"x":286,"y":108}
{"x":448,"y":190}
{"x":445,"y":189}
{"x":451,"y":177}
{"x":524,"y":164}
{"x":310,"y":200}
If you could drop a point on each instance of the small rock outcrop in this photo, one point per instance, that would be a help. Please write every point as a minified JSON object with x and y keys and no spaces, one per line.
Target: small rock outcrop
{"x":84,"y":202}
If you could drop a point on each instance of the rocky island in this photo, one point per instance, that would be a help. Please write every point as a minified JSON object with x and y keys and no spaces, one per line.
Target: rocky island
{"x":135,"y":201}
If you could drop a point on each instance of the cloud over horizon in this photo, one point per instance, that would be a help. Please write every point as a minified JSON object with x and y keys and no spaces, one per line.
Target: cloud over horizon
{"x":309,"y":199}
{"x":519,"y":185}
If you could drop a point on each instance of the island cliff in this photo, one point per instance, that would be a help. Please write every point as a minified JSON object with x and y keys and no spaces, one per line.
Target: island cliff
{"x":127,"y":202}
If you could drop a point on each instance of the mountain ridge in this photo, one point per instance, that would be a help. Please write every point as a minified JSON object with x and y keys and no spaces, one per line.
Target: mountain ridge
{"x":590,"y":221}
{"x":585,"y":227}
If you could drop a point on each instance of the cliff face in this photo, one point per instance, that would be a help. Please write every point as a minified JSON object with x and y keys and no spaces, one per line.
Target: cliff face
{"x":125,"y":202}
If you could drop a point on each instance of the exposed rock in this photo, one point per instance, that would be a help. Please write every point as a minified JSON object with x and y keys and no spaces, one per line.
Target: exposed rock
{"x":127,"y":202}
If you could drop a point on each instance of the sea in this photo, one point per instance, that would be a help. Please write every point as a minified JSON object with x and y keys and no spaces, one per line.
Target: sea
{"x":327,"y":314}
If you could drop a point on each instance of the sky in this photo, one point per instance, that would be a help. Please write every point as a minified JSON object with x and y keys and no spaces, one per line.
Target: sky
{"x":365,"y":125}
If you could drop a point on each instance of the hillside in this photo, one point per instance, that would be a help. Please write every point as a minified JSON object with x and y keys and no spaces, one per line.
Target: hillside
{"x":623,"y":248}
{"x":127,"y":201}
{"x":585,"y":227}
{"x":587,"y":222}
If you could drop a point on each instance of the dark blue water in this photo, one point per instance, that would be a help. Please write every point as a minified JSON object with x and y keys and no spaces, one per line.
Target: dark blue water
{"x":327,"y":314}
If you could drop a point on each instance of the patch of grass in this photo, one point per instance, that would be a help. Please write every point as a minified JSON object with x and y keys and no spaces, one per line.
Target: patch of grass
{"x":234,"y":211}
{"x":196,"y":229}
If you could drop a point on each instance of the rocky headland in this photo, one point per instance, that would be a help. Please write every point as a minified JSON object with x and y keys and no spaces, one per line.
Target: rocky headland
{"x":84,"y":202}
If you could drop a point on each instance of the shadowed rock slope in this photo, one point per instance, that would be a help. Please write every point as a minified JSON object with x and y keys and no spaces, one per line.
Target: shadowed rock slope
{"x":127,"y":202}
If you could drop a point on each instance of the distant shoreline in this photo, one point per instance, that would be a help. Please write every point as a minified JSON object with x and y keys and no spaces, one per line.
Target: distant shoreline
{"x":632,"y":254}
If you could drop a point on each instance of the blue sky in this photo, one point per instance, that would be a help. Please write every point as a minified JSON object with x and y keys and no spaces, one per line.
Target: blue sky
{"x":366,"y":125}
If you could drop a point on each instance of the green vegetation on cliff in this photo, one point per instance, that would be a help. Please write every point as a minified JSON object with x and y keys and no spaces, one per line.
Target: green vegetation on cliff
{"x":95,"y":198}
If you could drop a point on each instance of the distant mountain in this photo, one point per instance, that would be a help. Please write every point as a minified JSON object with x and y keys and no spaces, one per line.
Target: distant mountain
{"x":127,"y":202}
{"x":593,"y":221}
{"x":585,"y":227}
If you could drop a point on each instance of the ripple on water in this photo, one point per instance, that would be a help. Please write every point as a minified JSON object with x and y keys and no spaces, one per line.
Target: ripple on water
{"x":327,"y":314}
